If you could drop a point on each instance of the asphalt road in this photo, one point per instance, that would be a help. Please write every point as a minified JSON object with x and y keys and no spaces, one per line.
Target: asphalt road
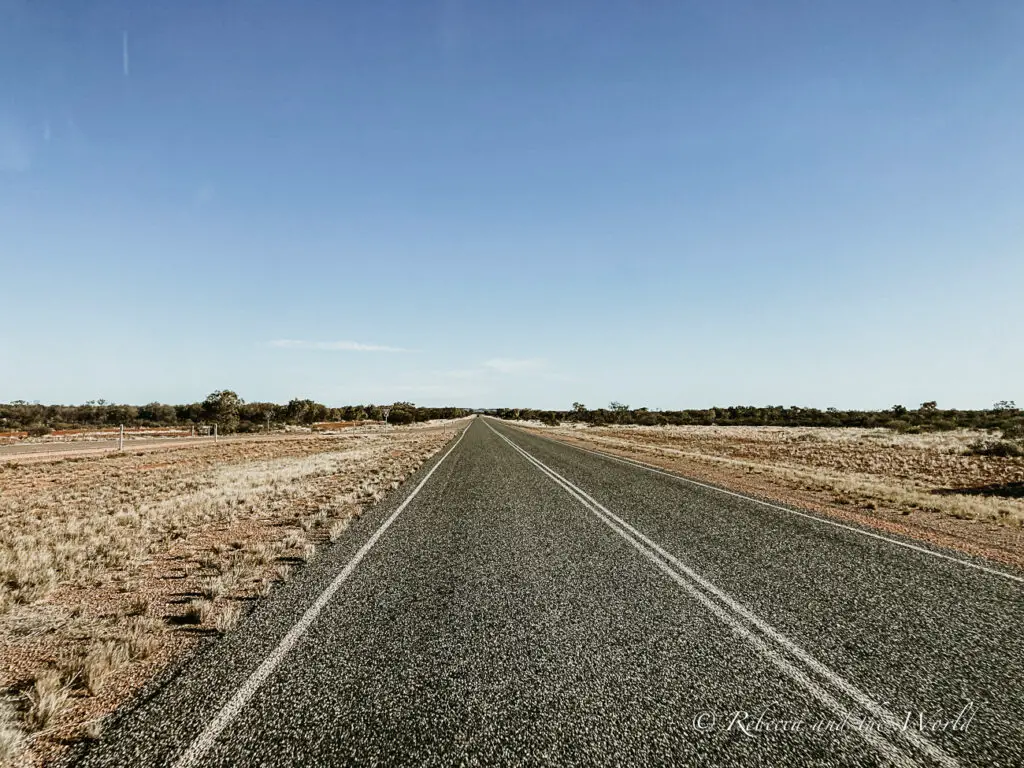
{"x":534,"y":604}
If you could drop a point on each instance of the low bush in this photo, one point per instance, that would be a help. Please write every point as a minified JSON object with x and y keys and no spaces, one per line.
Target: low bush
{"x":1013,"y":431}
{"x":1000,"y":448}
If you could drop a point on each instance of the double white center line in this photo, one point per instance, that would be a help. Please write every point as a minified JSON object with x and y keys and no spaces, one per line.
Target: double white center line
{"x":843,"y":698}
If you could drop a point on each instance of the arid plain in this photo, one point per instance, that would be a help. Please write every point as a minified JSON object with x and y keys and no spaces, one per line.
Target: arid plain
{"x":112,"y":566}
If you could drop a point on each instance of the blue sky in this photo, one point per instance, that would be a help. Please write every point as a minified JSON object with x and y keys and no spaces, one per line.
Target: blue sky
{"x":670,"y":204}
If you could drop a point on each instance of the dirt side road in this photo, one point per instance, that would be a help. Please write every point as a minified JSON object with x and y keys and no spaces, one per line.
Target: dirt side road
{"x":29,"y":451}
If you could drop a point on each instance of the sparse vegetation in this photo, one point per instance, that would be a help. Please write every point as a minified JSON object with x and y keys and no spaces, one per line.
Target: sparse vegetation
{"x":224,"y":408}
{"x":103,"y":660}
{"x":47,"y":700}
{"x":96,"y":554}
{"x":227,"y":618}
{"x":1003,"y":417}
{"x":199,"y":612}
{"x":1001,"y":448}
{"x":337,"y":528}
{"x":12,"y":736}
{"x":144,"y":637}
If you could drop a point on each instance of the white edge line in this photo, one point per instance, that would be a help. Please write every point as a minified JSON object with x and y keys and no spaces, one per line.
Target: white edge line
{"x":199,"y":747}
{"x":639,"y":540}
{"x":854,"y":529}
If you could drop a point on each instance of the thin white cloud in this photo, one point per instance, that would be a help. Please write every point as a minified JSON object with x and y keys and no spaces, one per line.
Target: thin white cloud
{"x":513,"y":365}
{"x":334,"y":346}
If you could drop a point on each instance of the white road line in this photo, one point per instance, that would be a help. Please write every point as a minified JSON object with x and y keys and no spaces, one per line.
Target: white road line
{"x":861,"y":531}
{"x":198,"y":748}
{"x":679,"y":573}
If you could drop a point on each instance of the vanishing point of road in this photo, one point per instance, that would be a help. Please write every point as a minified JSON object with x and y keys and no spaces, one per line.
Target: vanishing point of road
{"x":523,"y":602}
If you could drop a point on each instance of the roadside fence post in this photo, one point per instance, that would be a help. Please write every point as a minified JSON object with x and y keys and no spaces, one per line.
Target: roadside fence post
{"x":120,"y":439}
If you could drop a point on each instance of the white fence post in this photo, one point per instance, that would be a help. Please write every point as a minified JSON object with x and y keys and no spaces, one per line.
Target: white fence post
{"x":120,"y":439}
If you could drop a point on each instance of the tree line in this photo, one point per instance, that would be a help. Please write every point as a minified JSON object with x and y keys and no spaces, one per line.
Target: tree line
{"x":233,"y":414}
{"x":224,"y":408}
{"x":927,"y":417}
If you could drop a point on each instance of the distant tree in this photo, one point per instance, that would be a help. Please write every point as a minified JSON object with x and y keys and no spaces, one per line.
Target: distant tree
{"x":1005,"y":405}
{"x":222,"y":407}
{"x":579,"y":412}
{"x":930,"y":407}
{"x":158,"y":414}
{"x":620,"y":412}
{"x":306,"y":411}
{"x":899,"y":410}
{"x":121,"y":414}
{"x":402,"y":413}
{"x":353,"y":413}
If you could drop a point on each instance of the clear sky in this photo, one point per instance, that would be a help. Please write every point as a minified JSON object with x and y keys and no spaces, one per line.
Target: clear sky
{"x":668,"y":203}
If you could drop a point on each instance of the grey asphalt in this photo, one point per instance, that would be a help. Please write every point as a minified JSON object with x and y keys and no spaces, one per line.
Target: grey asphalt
{"x":505,"y":619}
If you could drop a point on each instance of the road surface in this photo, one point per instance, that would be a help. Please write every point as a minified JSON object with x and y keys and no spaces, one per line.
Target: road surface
{"x":523,"y":602}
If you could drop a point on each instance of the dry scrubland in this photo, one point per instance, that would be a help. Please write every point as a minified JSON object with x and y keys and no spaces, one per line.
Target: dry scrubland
{"x":111,"y":567}
{"x":928,"y":486}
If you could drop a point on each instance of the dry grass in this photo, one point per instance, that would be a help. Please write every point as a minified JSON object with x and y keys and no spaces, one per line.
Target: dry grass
{"x":99,"y":556}
{"x":47,"y":700}
{"x":227,"y":618}
{"x":12,"y":737}
{"x":103,"y":661}
{"x":933,"y":484}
